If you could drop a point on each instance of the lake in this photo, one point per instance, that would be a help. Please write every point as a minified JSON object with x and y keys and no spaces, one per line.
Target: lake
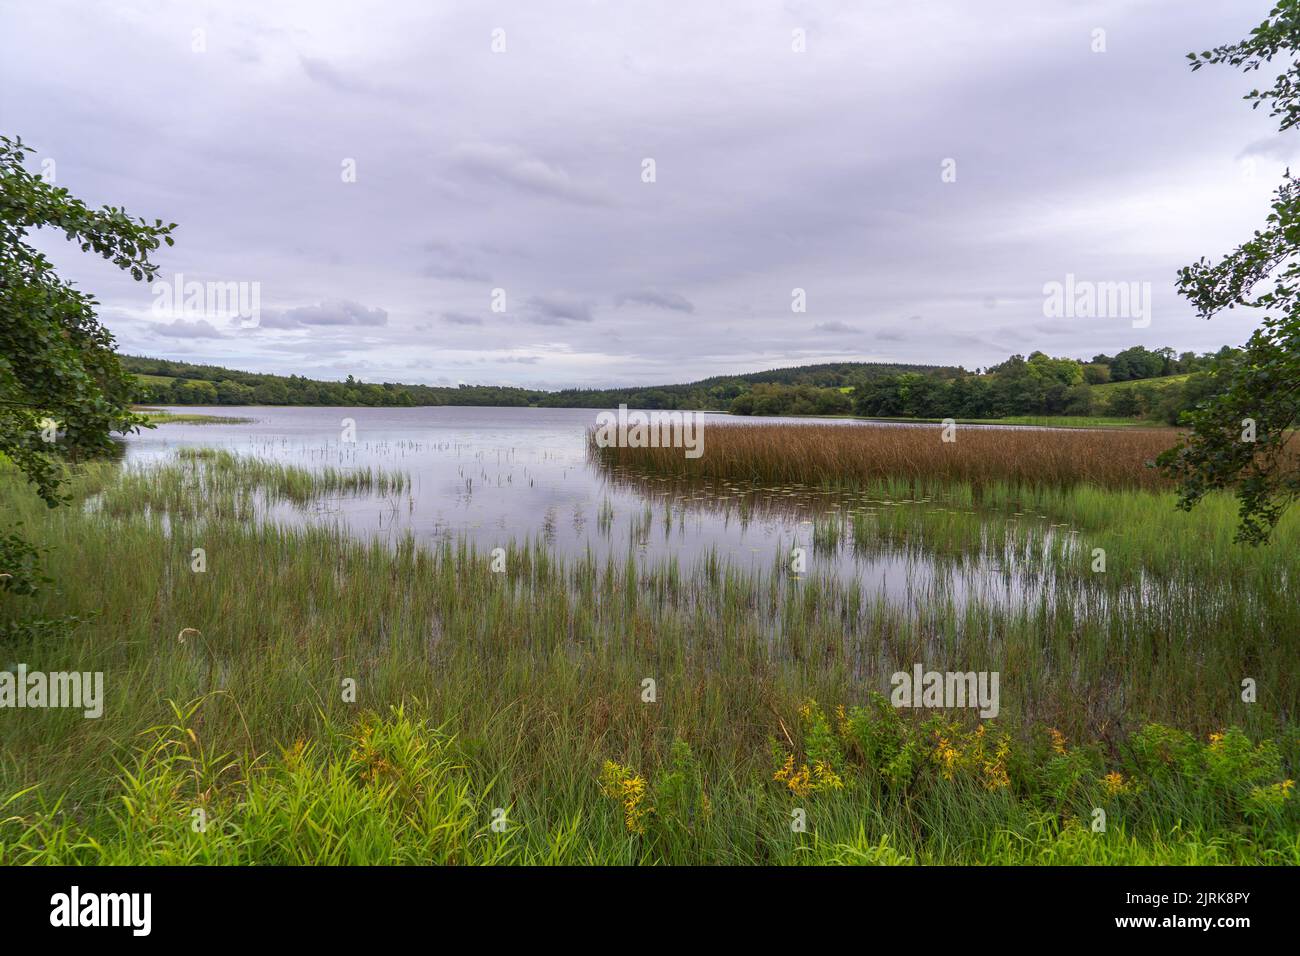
{"x":496,"y":475}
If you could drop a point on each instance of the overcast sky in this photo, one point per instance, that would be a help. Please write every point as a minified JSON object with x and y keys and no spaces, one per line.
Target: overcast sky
{"x":522,"y":170}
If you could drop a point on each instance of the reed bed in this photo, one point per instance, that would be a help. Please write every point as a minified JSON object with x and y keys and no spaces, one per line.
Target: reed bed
{"x":219,"y":482}
{"x":527,"y":682}
{"x":839,"y":454}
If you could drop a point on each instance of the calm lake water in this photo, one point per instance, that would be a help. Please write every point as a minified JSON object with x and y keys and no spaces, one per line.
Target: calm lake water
{"x":496,"y":475}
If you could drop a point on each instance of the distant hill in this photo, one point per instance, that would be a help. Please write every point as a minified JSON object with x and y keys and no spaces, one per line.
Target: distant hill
{"x":164,"y":381}
{"x":1134,"y":383}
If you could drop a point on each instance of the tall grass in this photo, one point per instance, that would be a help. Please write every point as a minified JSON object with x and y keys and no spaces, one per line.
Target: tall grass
{"x":836,"y":454}
{"x":219,"y":482}
{"x":520,"y":685}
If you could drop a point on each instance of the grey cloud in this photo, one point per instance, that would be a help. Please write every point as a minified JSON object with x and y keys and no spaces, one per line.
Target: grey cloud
{"x":460,"y":318}
{"x":435,"y":270}
{"x":330,"y":312}
{"x":450,"y":261}
{"x":557,"y":309}
{"x":324,"y":73}
{"x":511,"y":166}
{"x":185,"y":329}
{"x":526,"y":168}
{"x":1281,"y":147}
{"x":836,"y":328}
{"x":661,"y":300}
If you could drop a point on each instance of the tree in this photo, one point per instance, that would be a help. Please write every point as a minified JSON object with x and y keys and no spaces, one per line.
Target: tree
{"x":1239,"y":438}
{"x":1050,"y":371}
{"x":62,"y":391}
{"x":1134,"y":363}
{"x":1095,"y":373}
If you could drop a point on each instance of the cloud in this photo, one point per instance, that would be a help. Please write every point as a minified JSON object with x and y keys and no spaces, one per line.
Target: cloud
{"x":524,"y":171}
{"x":330,"y":312}
{"x":660,"y":300}
{"x":836,"y":327}
{"x":448,"y":261}
{"x":322,"y":72}
{"x":460,"y":318}
{"x":513,"y":167}
{"x":557,"y":309}
{"x":1281,"y":148}
{"x":184,"y":329}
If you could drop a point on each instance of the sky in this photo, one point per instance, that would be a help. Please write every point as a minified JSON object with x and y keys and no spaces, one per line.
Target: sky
{"x":586,"y":193}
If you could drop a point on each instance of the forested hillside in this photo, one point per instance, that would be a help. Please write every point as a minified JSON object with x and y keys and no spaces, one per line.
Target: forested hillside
{"x":167,"y":382}
{"x":1135,"y":383}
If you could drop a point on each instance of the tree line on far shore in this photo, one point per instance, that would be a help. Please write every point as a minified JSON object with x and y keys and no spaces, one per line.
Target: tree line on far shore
{"x":1164,"y":385}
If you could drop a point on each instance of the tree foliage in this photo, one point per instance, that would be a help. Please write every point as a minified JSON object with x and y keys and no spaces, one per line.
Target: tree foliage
{"x":1240,"y":435}
{"x":1045,"y":386}
{"x":59,"y":377}
{"x":167,"y":382}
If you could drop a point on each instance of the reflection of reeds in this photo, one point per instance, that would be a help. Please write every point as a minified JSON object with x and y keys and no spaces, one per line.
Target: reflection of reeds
{"x":819,"y":454}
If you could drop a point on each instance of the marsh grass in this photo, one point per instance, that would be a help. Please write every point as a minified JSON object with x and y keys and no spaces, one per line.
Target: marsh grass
{"x":159,"y":417}
{"x":839,"y":454}
{"x":393,"y":789}
{"x":520,"y":686}
{"x":204,"y":481}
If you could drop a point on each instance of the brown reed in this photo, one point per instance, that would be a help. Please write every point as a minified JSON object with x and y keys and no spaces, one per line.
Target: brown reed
{"x":831,"y":454}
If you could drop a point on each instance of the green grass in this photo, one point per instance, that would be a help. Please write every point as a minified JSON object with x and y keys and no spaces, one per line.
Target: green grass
{"x":1060,"y":421}
{"x":156,"y":379}
{"x":517,"y":688}
{"x":209,"y":482}
{"x":1041,"y":421}
{"x":394,"y":790}
{"x":1162,"y":382}
{"x":167,"y":418}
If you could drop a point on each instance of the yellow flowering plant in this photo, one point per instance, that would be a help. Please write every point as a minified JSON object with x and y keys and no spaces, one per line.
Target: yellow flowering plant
{"x":628,"y":787}
{"x":677,"y":801}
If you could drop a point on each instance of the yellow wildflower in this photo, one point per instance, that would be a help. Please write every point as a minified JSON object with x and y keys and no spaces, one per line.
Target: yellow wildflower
{"x":826,"y":777}
{"x":783,"y":774}
{"x":629,"y":788}
{"x":947,"y":757}
{"x":995,"y":770}
{"x":1114,"y":784}
{"x":996,"y":777}
{"x":799,"y":783}
{"x":1058,"y":740}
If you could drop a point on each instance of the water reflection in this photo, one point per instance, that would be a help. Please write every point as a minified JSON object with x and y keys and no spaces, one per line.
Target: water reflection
{"x":491,"y":476}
